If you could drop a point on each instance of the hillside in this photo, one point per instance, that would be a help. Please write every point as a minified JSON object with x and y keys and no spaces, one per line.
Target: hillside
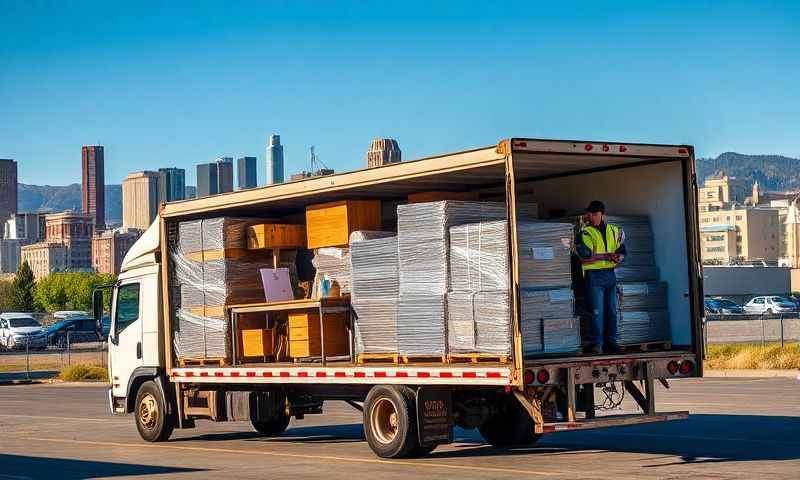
{"x":57,"y":198}
{"x":773,"y":172}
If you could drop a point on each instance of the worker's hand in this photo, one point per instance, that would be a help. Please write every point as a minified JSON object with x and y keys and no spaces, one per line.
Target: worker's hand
{"x":614,"y":257}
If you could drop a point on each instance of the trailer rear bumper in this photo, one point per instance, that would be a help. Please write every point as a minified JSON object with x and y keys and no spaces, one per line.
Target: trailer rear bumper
{"x":613,"y":421}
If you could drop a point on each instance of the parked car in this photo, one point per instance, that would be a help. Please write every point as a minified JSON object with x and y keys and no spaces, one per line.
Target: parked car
{"x":727,"y":307}
{"x":770,"y":305}
{"x":20,"y":329}
{"x":81,"y":329}
{"x":710,"y":305}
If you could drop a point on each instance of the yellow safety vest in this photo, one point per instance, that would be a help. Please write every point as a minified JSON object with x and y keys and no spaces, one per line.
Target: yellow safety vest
{"x":593,"y":239}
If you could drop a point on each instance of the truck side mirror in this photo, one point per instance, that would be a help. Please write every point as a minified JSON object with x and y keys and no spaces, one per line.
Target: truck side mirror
{"x":97,"y":309}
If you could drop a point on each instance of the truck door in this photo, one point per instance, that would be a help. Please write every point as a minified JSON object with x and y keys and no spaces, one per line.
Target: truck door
{"x":125,"y":338}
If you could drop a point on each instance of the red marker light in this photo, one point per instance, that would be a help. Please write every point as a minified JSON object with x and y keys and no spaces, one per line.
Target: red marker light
{"x":687,"y":367}
{"x":623,"y":148}
{"x":543,"y":376}
{"x":672,"y":367}
{"x":683,"y":151}
{"x":588,"y":147}
{"x":527,"y":377}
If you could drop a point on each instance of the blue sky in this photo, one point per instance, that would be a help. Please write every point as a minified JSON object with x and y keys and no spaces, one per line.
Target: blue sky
{"x":180,"y":83}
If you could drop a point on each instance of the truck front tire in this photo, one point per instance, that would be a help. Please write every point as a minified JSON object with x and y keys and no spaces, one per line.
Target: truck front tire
{"x":150,"y":413}
{"x":509,"y":426}
{"x":272,"y":427}
{"x":390,"y":422}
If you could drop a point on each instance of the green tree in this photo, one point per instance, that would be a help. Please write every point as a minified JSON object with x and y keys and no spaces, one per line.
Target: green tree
{"x":5,"y":295}
{"x":69,"y":290}
{"x":21,"y":295}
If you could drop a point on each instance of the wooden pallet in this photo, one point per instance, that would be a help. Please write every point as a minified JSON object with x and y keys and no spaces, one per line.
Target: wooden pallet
{"x":378,"y":358}
{"x":645,"y":346}
{"x":202,"y":362}
{"x":476,"y":358}
{"x":424,"y":358}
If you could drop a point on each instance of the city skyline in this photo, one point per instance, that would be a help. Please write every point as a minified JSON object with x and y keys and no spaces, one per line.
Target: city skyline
{"x":585,"y":71}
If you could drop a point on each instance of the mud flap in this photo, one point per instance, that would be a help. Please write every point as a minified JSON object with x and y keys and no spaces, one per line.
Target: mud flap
{"x":434,"y":416}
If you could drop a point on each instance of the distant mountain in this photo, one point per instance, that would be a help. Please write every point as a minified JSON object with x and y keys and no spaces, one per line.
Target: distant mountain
{"x":773,"y":172}
{"x":57,"y":198}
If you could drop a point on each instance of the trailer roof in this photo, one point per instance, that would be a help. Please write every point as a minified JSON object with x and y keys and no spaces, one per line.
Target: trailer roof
{"x":478,"y":168}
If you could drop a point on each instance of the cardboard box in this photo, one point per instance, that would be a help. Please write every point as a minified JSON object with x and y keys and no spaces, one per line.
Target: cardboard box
{"x":330,"y":224}
{"x":276,"y":235}
{"x":304,"y":334}
{"x":257,"y":342}
{"x":423,"y":197}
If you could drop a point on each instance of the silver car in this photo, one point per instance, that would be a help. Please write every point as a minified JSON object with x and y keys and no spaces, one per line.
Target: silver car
{"x":18,"y":330}
{"x":769,"y":305}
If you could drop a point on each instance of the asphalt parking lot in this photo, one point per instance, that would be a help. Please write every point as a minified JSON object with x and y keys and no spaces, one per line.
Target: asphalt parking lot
{"x":739,"y":428}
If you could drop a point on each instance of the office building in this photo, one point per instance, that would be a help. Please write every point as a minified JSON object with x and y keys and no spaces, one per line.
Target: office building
{"x":74,"y":231}
{"x":9,"y":255}
{"x":109,"y":249}
{"x":246,"y":172}
{"x":45,"y":258}
{"x":383,"y":151}
{"x":224,"y":174}
{"x":25,"y":227}
{"x":206,"y":179}
{"x":191,"y":191}
{"x":171,"y":184}
{"x":274,"y":160}
{"x":757,"y":233}
{"x":721,"y":193}
{"x":139,"y":199}
{"x":93,"y":184}
{"x":8,"y":188}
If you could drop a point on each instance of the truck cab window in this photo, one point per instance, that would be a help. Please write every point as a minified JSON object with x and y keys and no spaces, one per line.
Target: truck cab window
{"x":127,"y":306}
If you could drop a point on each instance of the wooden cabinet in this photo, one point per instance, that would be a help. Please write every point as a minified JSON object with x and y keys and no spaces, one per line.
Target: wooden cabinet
{"x":276,"y":235}
{"x":330,"y":224}
{"x":304,"y":334}
{"x":257,"y":342}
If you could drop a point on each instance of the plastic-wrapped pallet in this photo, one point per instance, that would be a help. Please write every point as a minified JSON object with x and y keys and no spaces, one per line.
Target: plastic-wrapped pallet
{"x":461,"y":322}
{"x":551,"y":335}
{"x":642,"y":297}
{"x":375,"y":289}
{"x":479,"y":322}
{"x":421,"y":325}
{"x":538,"y":304}
{"x":643,"y":327}
{"x":423,"y":240}
{"x":544,"y":255}
{"x":335,"y":263}
{"x":479,"y":259}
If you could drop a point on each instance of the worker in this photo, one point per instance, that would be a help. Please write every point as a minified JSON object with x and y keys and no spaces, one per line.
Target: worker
{"x":601,"y":247}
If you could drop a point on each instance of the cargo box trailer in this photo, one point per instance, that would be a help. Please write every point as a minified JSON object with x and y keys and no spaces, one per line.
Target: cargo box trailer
{"x":410,"y":406}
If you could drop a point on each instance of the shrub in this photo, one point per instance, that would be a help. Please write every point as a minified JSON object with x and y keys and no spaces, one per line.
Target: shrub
{"x":82,"y":373}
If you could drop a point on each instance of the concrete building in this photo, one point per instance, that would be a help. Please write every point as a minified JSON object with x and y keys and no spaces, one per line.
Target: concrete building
{"x":720,"y":193}
{"x":74,"y":231}
{"x":718,"y":244}
{"x":171,"y":184}
{"x":45,"y":258}
{"x":110,"y":247}
{"x":743,"y":282}
{"x":9,"y":255}
{"x":224,"y":174}
{"x":93,"y":184}
{"x":206,"y":179}
{"x":304,"y":175}
{"x":383,"y":151}
{"x":275,"y":160}
{"x":8,"y":188}
{"x":139,"y":199}
{"x":25,"y":227}
{"x":191,"y":191}
{"x":246,"y":176}
{"x":757,"y":232}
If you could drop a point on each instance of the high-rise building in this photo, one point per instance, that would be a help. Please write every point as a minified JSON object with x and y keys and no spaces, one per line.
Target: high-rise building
{"x":191,"y":191}
{"x":171,"y":184}
{"x":755,"y":233}
{"x":139,"y":200}
{"x":246,"y":172}
{"x":74,"y":231}
{"x":9,"y":255}
{"x":44,"y":258}
{"x":383,"y":151}
{"x":93,"y":184}
{"x":224,"y":174}
{"x":8,"y":188}
{"x":25,"y":227}
{"x":109,"y":249}
{"x":207,"y":179}
{"x":274,"y":160}
{"x":721,"y":193}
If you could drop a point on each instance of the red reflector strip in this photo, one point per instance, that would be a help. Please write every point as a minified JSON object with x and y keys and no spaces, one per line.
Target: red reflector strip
{"x":380,"y":374}
{"x":423,"y":374}
{"x":322,"y":374}
{"x":359,"y":374}
{"x":234,"y":374}
{"x":492,"y":374}
{"x":187,"y":374}
{"x":251,"y":374}
{"x":302,"y":374}
{"x":401,"y":374}
{"x":284,"y":374}
{"x":445,"y":374}
{"x":469,"y":375}
{"x":203,"y":374}
{"x":340,"y":374}
{"x":266,"y":374}
{"x":219,"y":374}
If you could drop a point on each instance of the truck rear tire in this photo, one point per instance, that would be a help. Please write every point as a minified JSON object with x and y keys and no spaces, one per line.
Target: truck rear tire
{"x":390,"y":421}
{"x":272,"y":427}
{"x":510,"y":425}
{"x":150,"y":413}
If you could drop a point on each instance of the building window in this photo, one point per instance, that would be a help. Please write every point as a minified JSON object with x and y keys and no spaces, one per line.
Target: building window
{"x":715,"y":238}
{"x":715,"y":249}
{"x":738,"y":218}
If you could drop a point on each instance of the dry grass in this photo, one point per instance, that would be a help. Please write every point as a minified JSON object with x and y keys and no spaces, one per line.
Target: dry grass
{"x":83,"y":373}
{"x":748,"y":356}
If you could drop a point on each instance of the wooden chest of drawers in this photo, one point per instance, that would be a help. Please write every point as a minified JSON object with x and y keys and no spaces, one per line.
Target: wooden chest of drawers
{"x":304,"y":334}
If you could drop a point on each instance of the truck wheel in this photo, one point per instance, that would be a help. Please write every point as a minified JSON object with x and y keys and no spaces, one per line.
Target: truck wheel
{"x":511,"y":425}
{"x":272,"y":427}
{"x":390,"y":421}
{"x":152,"y":420}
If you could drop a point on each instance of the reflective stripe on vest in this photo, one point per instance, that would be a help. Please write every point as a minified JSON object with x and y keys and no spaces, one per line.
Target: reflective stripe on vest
{"x":593,"y":239}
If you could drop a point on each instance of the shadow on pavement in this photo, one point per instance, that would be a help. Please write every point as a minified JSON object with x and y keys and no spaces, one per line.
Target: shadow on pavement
{"x":18,"y":466}
{"x":344,"y":433}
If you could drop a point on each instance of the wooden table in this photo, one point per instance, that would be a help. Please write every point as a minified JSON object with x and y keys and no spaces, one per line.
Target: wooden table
{"x":329,"y":304}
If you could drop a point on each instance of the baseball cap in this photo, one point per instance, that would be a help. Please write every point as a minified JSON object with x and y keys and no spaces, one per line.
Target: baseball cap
{"x":596,"y":206}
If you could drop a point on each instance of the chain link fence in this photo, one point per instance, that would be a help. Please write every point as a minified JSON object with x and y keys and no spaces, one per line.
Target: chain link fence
{"x":757,"y":329}
{"x":35,"y":359}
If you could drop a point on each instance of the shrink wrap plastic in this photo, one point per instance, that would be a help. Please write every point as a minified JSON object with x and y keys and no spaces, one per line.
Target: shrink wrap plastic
{"x":335,"y":263}
{"x":421,"y":325}
{"x":201,"y":289}
{"x":375,"y":289}
{"x":641,"y":327}
{"x":642,"y":297}
{"x":551,"y":335}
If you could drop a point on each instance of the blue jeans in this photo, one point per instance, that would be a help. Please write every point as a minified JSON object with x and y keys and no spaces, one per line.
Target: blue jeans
{"x":601,"y":289}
